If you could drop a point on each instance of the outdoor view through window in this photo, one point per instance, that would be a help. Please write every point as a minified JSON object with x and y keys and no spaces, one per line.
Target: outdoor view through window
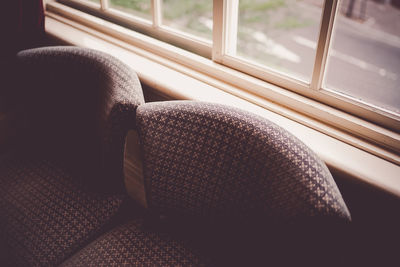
{"x":273,"y":33}
{"x":282,"y":35}
{"x":137,"y":8}
{"x":364,"y":59}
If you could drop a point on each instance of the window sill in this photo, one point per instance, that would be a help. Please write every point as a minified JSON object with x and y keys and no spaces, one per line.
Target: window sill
{"x":383,"y":140}
{"x":180,"y":82}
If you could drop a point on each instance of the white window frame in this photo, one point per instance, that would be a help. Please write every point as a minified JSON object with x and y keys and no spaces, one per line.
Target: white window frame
{"x":376,"y":125}
{"x":225,"y":15}
{"x":153,"y":27}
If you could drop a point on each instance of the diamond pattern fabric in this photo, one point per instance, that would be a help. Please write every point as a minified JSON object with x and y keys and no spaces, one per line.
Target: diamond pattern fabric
{"x":62,"y":184}
{"x":208,"y":160}
{"x":135,"y":244}
{"x":78,"y":105}
{"x":224,"y":187}
{"x":45,"y":215}
{"x":210,"y":173}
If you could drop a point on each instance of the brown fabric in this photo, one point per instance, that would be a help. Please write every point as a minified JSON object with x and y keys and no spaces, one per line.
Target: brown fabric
{"x":45,"y":215}
{"x":221,"y":186}
{"x":211,"y":173}
{"x":207,"y":160}
{"x":77,"y":105}
{"x":62,"y":183}
{"x":151,"y":242}
{"x":135,"y":244}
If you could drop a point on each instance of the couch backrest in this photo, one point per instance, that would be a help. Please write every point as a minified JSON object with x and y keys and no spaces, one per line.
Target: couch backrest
{"x":78,"y":104}
{"x":206,"y":160}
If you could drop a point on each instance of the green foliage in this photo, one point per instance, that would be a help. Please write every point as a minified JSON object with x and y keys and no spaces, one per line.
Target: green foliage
{"x":187,"y":15}
{"x":262,"y":15}
{"x":252,"y":5}
{"x":175,"y":9}
{"x":138,"y":5}
{"x":255,"y":19}
{"x":292,"y":22}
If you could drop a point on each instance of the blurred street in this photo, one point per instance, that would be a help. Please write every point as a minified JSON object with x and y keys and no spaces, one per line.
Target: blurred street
{"x":364,"y":59}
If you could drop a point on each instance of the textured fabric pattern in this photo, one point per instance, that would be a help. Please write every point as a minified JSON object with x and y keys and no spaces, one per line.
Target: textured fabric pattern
{"x":208,"y":160}
{"x":75,"y":107}
{"x":134,"y":244}
{"x":81,"y":102}
{"x":45,"y":216}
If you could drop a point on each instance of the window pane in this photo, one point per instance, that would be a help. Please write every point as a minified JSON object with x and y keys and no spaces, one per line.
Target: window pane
{"x":364,"y":59}
{"x":280,"y":34}
{"x":140,"y":8}
{"x":194,"y":17}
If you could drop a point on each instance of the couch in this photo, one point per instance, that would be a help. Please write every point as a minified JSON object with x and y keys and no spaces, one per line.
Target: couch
{"x":224,"y":187}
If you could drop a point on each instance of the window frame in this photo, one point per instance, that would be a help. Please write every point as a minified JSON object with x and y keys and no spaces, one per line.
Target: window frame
{"x":361,"y":119}
{"x":225,"y":38}
{"x":153,"y":27}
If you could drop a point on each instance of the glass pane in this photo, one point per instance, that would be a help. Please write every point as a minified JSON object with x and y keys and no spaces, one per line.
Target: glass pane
{"x":364,"y":59}
{"x":140,"y":8}
{"x":280,"y":34}
{"x":194,"y":17}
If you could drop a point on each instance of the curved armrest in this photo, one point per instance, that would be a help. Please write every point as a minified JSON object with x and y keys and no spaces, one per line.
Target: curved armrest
{"x":80,"y":104}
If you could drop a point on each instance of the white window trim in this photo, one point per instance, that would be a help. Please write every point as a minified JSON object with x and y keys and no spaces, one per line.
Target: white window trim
{"x":226,"y":12}
{"x":103,"y":5}
{"x":178,"y":84}
{"x":152,"y":27}
{"x":156,"y":11}
{"x":225,"y":25}
{"x":329,"y":13}
{"x":307,"y":111}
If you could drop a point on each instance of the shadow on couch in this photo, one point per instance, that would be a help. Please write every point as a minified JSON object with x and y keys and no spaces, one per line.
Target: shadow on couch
{"x":224,"y":187}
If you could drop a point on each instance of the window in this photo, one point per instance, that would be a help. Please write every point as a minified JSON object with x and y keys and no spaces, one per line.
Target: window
{"x":141,"y":8}
{"x":366,"y":43}
{"x":193,"y":17}
{"x":343,"y":54}
{"x":271,"y":33}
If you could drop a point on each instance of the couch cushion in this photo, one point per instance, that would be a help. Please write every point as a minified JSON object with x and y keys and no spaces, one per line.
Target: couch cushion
{"x":152,"y":241}
{"x":46,"y":215}
{"x":138,"y":244}
{"x":88,"y":100}
{"x":209,"y":160}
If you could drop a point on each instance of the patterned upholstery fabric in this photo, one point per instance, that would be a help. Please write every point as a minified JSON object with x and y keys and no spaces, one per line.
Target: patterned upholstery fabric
{"x":207,"y":160}
{"x":62,"y":185}
{"x":210,"y":172}
{"x":45,"y":215}
{"x":148,"y":242}
{"x":135,"y":244}
{"x":81,"y":102}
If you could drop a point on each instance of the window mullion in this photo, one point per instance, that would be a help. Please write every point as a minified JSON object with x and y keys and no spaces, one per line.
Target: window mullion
{"x":218,"y":30}
{"x":328,"y":17}
{"x":156,"y":10}
{"x":225,"y":20}
{"x":231,"y":25}
{"x":104,"y":5}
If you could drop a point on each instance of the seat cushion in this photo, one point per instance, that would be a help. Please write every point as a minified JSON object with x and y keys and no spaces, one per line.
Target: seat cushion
{"x":147,"y":241}
{"x":138,"y":244}
{"x":46,"y":215}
